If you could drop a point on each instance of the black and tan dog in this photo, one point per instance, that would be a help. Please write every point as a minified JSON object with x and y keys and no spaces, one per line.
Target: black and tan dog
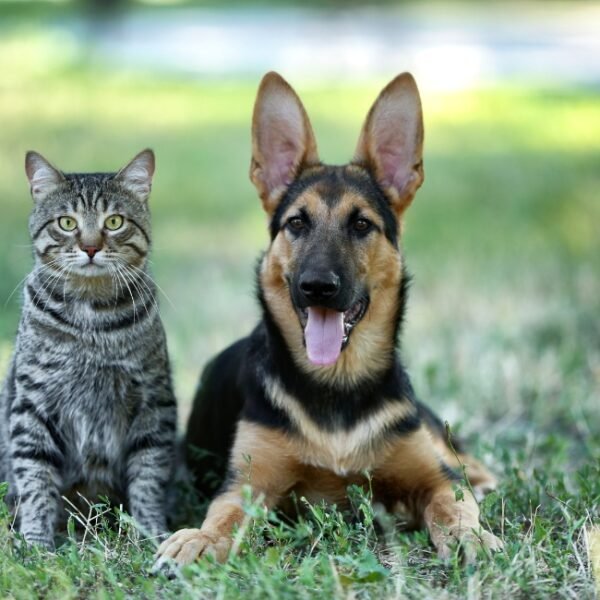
{"x":317,"y":395}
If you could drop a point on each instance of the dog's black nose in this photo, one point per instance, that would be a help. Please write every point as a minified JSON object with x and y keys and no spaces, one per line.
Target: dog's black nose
{"x":319,"y":285}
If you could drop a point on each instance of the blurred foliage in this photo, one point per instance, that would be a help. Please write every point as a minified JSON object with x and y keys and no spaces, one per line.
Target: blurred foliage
{"x":510,"y":198}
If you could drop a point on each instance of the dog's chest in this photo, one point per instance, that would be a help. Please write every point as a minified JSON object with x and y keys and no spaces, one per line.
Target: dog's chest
{"x":343,"y":452}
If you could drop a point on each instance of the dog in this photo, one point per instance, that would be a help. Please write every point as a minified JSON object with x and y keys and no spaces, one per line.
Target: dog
{"x":317,"y":396}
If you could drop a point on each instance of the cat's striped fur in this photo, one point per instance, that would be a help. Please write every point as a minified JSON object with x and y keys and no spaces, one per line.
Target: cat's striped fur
{"x":87,"y":404}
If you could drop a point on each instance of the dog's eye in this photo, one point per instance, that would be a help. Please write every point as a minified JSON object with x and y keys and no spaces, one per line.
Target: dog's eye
{"x":296,"y":224}
{"x":362,"y":225}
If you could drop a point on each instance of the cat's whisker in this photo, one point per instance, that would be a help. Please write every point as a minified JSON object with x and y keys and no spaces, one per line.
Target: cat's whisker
{"x":55,"y":276}
{"x":62,"y":275}
{"x":16,"y":288}
{"x":135,"y":280}
{"x":36,"y":269}
{"x":127,"y":277}
{"x":69,"y":269}
{"x":120,"y":274}
{"x":140,"y":281}
{"x":55,"y":269}
{"x":117,"y":290}
{"x":136,"y":287}
{"x":146,"y":274}
{"x":118,"y":281}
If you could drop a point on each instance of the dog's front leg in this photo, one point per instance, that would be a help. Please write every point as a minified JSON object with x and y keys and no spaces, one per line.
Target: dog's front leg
{"x":262,"y":458}
{"x":212,"y":539}
{"x":451,"y":515}
{"x":415,"y":474}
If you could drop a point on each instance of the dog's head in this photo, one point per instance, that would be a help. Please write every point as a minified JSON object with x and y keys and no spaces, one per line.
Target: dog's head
{"x":333,"y":270}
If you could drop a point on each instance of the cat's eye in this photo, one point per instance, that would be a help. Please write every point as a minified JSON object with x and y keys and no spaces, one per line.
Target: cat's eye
{"x":113,"y":222}
{"x":67,"y":223}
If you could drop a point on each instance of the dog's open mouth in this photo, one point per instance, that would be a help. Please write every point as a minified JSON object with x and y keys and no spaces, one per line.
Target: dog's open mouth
{"x":327,"y":331}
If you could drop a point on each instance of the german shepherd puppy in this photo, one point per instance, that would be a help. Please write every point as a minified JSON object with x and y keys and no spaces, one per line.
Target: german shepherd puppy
{"x":317,"y":395}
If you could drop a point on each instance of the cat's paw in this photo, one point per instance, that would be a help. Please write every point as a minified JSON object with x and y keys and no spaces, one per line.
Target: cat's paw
{"x":187,"y":545}
{"x":39,"y":541}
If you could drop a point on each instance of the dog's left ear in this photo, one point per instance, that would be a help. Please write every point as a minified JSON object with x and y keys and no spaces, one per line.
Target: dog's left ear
{"x":282,"y":140}
{"x":391,"y":141}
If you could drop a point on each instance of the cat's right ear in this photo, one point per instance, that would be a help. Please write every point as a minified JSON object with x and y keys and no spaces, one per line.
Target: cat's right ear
{"x":137,"y":175}
{"x":43,"y":177}
{"x":282,"y":140}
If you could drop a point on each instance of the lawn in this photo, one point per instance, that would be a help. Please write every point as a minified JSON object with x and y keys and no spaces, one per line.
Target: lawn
{"x":502,"y":336}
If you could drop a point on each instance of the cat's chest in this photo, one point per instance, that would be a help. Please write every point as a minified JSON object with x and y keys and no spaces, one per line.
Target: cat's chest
{"x":100,"y":409}
{"x":98,"y":436}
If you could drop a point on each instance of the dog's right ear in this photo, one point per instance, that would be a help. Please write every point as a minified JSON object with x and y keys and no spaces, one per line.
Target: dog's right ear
{"x":282,"y":140}
{"x":43,"y":177}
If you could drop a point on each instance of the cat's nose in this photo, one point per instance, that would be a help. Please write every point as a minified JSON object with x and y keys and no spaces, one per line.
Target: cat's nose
{"x":90,"y":250}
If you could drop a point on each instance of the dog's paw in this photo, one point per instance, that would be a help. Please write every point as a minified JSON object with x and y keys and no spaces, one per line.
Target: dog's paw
{"x":469,"y":542}
{"x":482,"y":489}
{"x":187,"y":545}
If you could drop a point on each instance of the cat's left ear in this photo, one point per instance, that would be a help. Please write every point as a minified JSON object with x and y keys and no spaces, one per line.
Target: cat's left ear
{"x":43,"y":177}
{"x":137,"y":175}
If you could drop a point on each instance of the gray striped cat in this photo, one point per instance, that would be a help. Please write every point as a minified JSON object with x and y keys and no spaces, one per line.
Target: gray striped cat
{"x":88,"y":403}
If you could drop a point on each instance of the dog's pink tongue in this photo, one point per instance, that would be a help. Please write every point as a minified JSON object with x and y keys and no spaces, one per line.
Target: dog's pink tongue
{"x":324,"y":333}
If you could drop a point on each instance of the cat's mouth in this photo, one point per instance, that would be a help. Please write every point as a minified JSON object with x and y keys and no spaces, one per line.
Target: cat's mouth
{"x":89,"y":266}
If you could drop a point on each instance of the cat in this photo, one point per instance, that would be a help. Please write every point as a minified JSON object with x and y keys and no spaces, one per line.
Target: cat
{"x":88,"y":402}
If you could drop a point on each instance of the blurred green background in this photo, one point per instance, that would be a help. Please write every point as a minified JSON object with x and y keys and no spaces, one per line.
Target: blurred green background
{"x":503,"y":239}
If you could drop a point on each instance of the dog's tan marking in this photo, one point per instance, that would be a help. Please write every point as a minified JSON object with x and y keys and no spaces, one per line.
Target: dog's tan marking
{"x":480,"y":478}
{"x":342,"y":451}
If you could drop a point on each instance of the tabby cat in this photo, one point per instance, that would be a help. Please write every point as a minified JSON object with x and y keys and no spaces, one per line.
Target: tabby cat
{"x":88,"y":403}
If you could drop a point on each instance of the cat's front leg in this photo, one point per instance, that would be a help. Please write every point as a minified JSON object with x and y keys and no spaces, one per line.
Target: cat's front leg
{"x":37,"y":454}
{"x":148,"y":474}
{"x":151,"y":461}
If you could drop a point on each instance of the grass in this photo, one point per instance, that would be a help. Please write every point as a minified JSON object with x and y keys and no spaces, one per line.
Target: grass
{"x":502,"y":336}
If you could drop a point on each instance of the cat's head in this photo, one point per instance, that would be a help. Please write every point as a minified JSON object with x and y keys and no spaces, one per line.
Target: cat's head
{"x":89,"y":225}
